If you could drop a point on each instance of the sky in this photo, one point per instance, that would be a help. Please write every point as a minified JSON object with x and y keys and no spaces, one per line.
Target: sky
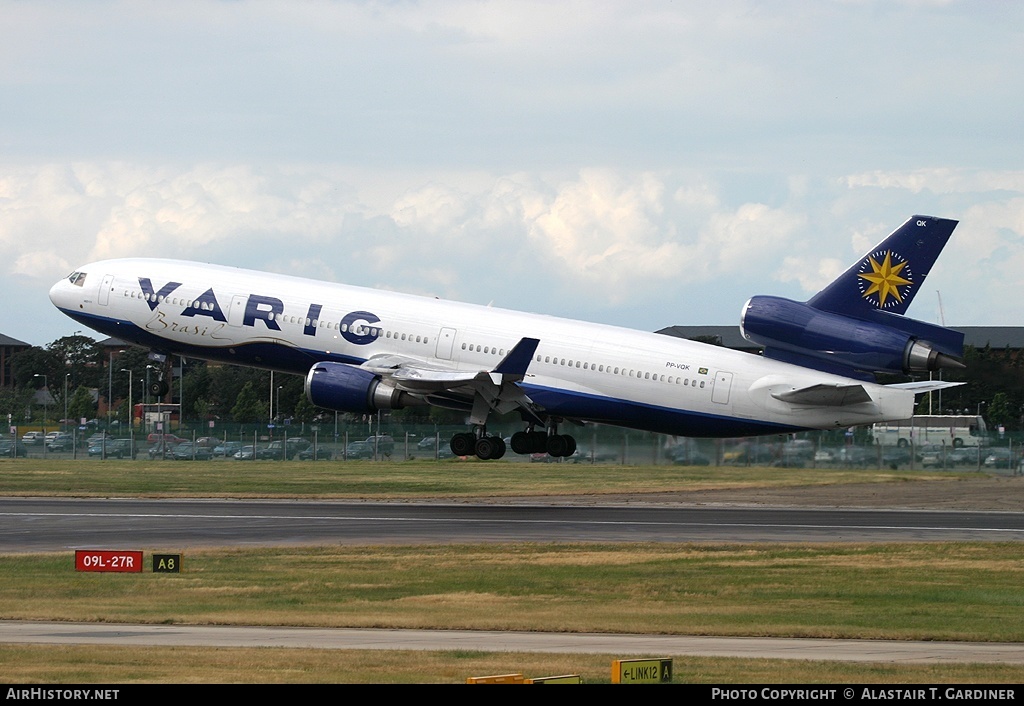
{"x":640,"y":164}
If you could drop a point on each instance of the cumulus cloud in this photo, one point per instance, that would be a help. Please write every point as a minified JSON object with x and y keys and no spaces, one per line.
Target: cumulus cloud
{"x":595,"y":239}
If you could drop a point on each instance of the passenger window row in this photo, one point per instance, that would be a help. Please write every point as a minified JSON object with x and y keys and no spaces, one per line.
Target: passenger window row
{"x":615,"y":370}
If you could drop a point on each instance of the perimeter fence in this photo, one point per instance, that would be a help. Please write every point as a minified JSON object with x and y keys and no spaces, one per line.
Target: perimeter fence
{"x":596,"y":444}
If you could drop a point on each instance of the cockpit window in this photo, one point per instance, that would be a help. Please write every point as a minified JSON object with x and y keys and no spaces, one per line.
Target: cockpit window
{"x":77,"y":279}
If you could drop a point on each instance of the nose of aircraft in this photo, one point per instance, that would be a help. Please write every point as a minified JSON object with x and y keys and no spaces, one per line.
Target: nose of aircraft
{"x":59,"y":294}
{"x":55,"y":292}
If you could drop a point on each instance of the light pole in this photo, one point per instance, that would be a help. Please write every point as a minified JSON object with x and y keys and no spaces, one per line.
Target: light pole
{"x":145,"y":410}
{"x":277,"y":402}
{"x":65,"y":420}
{"x":131,"y":412}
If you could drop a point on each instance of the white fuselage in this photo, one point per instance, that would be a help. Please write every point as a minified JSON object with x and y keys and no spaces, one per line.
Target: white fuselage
{"x":580,"y":370}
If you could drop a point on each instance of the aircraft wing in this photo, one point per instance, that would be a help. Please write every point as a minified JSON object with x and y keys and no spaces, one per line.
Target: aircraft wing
{"x":496,"y":389}
{"x":825,"y":395}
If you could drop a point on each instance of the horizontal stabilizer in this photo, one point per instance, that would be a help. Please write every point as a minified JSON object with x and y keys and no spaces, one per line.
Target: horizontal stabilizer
{"x":925,"y":385}
{"x":825,"y":395}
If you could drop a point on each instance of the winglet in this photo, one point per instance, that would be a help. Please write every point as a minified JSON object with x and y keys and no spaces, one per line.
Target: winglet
{"x":514,"y":365}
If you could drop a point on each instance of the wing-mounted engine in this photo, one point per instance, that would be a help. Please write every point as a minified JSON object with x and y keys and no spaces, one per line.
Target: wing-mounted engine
{"x":346,"y":388}
{"x":796,"y":332}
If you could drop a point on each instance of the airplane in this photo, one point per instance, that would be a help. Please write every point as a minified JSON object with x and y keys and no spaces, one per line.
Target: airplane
{"x":363,"y":350}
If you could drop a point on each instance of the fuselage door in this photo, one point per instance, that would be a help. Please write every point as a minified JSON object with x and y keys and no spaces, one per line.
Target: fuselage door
{"x":723,"y":383}
{"x":104,"y":293}
{"x":445,"y":343}
{"x":236,"y":313}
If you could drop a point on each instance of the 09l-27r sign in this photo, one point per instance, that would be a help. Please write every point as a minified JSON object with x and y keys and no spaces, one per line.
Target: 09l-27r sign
{"x":108,"y":560}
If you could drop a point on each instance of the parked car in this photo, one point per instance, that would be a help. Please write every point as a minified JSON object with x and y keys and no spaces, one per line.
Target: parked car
{"x":188,"y":451}
{"x":112,"y":448}
{"x":359,"y":449}
{"x":209,"y":441}
{"x":579,"y":456}
{"x":858,"y":456}
{"x":933,"y":456}
{"x":384,"y":443}
{"x":280,"y":450}
{"x":826,"y":456}
{"x":161,"y":450}
{"x":13,"y":448}
{"x":319,"y":453}
{"x":125,"y":448}
{"x":896,"y":456}
{"x":61,"y":442}
{"x":33,"y":438}
{"x":1000,"y":457}
{"x":227,"y":449}
{"x":965,"y":456}
{"x":684,"y":455}
{"x":246,"y":453}
{"x":796,"y":453}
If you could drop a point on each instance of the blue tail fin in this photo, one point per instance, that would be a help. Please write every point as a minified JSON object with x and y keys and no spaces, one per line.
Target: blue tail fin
{"x":855,"y":326}
{"x":888,"y":277}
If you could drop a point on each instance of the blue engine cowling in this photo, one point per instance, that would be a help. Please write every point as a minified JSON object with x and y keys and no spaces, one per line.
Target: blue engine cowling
{"x":346,"y":388}
{"x":795,"y":331}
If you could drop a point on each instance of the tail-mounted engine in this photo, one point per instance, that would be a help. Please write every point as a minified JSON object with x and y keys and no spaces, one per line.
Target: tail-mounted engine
{"x":797,"y":332}
{"x":346,"y":388}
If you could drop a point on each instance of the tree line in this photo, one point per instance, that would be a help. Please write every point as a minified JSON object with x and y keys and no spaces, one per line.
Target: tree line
{"x":88,"y":372}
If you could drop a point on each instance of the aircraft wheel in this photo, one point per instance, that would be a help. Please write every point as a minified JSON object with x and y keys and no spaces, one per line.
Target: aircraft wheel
{"x":557,"y":445}
{"x":521,"y":443}
{"x":570,"y":443}
{"x":486,"y":448}
{"x":462,"y":444}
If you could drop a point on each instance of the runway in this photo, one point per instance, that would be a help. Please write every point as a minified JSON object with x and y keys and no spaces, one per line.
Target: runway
{"x":49,"y":524}
{"x":27,"y":632}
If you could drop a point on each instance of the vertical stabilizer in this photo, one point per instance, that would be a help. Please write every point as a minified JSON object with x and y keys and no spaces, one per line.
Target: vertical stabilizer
{"x":888,"y":277}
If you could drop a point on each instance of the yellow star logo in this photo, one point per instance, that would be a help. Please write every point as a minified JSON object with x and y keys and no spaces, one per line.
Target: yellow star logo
{"x":885,"y":279}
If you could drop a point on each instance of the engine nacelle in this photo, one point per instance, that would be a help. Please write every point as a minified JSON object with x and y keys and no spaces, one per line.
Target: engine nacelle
{"x":346,"y":388}
{"x":784,"y":327}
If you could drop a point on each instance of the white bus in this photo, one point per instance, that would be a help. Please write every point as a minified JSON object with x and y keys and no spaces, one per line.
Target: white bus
{"x":956,"y":430}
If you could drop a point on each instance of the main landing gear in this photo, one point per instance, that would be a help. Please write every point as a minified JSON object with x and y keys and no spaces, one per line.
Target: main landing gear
{"x":485,"y":446}
{"x":539,"y":442}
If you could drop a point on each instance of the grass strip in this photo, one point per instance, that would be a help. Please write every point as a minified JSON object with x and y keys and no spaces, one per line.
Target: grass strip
{"x":405,"y":479}
{"x":934,"y":591}
{"x":46,"y":664}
